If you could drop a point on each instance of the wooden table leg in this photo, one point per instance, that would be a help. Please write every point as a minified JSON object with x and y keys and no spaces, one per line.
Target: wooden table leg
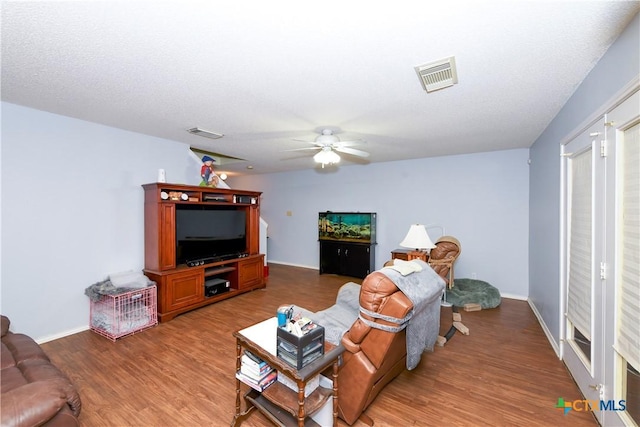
{"x":301,"y":415}
{"x":335,"y":393}
{"x":238,"y":366}
{"x":240,"y":416}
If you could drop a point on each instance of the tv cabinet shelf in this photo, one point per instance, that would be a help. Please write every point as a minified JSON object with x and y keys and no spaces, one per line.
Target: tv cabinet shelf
{"x":176,"y":193}
{"x":209,"y":272}
{"x":182,"y":288}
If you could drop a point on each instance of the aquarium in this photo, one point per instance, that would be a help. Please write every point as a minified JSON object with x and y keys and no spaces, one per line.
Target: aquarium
{"x":347,"y":226}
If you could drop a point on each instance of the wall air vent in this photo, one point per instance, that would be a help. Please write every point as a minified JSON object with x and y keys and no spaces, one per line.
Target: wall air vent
{"x":438,"y":75}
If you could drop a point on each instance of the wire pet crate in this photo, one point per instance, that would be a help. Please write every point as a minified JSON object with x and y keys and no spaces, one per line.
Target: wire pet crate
{"x":116,"y":316}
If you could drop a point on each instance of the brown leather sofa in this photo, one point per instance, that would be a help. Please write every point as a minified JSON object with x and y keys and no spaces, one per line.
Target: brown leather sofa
{"x":33,"y":391}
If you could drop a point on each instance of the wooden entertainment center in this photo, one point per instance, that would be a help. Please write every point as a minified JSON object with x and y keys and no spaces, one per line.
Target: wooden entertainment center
{"x":181,"y":287}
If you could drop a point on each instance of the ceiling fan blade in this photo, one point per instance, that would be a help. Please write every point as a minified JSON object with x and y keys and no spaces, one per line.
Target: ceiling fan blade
{"x":350,"y":143}
{"x":303,"y":149}
{"x":352,"y":151}
{"x":306,"y":141}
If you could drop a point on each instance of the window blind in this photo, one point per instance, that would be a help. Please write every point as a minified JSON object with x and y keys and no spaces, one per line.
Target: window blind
{"x":580,"y":230}
{"x":628,"y":283}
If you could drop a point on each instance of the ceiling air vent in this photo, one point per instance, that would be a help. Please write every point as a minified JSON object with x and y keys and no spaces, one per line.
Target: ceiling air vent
{"x":438,"y":75}
{"x":205,"y":133}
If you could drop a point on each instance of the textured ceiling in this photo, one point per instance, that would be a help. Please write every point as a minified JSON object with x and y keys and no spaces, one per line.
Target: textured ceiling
{"x":263,"y":73}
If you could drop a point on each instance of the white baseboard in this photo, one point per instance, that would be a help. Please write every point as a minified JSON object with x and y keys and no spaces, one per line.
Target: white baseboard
{"x":513,"y":296}
{"x":293,"y":265}
{"x":545,"y":329}
{"x":61,"y":335}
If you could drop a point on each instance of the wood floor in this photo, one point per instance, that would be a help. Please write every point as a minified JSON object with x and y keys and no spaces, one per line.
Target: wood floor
{"x":180,"y":373}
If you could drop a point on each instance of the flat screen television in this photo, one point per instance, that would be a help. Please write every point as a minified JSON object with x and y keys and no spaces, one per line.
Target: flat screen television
{"x":203,"y":232}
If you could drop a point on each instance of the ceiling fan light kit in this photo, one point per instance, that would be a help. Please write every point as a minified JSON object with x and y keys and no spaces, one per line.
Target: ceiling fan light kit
{"x":326,"y":156}
{"x":329,"y":146}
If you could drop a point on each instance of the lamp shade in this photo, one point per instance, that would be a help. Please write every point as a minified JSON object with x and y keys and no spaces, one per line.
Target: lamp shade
{"x":417,"y":238}
{"x":326,"y":156}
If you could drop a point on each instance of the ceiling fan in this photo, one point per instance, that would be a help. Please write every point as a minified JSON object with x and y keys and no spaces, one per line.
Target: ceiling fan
{"x":330,"y":145}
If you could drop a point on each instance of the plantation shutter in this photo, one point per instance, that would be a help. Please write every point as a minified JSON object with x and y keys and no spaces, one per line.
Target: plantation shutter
{"x":580,"y":237}
{"x":628,"y":326}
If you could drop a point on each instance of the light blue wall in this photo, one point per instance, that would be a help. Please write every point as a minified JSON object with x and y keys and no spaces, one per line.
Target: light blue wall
{"x":72,"y":212}
{"x":481,"y":199}
{"x":616,"y":68}
{"x":72,"y":205}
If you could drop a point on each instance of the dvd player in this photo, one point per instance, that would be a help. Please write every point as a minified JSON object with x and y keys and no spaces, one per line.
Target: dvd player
{"x":216,"y":286}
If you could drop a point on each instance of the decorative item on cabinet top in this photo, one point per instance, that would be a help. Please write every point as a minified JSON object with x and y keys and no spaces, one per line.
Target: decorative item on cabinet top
{"x":347,"y":226}
{"x":174,"y":195}
{"x":215,"y":197}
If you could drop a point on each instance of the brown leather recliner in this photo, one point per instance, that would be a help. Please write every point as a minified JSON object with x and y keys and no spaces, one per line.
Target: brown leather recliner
{"x":34,"y":391}
{"x":372,"y":357}
{"x":369,"y":320}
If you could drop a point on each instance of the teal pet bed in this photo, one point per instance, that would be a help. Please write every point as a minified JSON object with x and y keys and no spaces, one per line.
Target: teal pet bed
{"x":472,"y":291}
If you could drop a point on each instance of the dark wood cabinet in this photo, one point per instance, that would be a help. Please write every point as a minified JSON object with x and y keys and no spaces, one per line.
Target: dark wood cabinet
{"x":181,"y":287}
{"x":250,"y":272}
{"x":409,"y":254}
{"x":167,"y":255}
{"x":347,"y":243}
{"x":347,"y":259}
{"x":330,"y":257}
{"x":402,"y":254}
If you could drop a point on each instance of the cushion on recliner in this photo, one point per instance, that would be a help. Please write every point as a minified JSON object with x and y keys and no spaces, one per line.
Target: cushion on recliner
{"x":375,"y":290}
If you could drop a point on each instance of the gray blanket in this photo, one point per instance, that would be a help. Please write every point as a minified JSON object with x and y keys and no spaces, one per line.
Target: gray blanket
{"x":96,"y":291}
{"x":338,"y":318}
{"x":424,"y":289}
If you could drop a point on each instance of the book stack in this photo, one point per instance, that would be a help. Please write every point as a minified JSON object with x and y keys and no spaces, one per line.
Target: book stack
{"x":255,"y":372}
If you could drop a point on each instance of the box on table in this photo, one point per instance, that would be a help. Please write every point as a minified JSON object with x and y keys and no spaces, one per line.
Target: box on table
{"x":324,"y":415}
{"x":309,"y":388}
{"x":300,"y":351}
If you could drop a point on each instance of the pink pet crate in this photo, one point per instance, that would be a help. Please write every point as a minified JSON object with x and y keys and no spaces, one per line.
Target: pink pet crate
{"x":116,"y":316}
